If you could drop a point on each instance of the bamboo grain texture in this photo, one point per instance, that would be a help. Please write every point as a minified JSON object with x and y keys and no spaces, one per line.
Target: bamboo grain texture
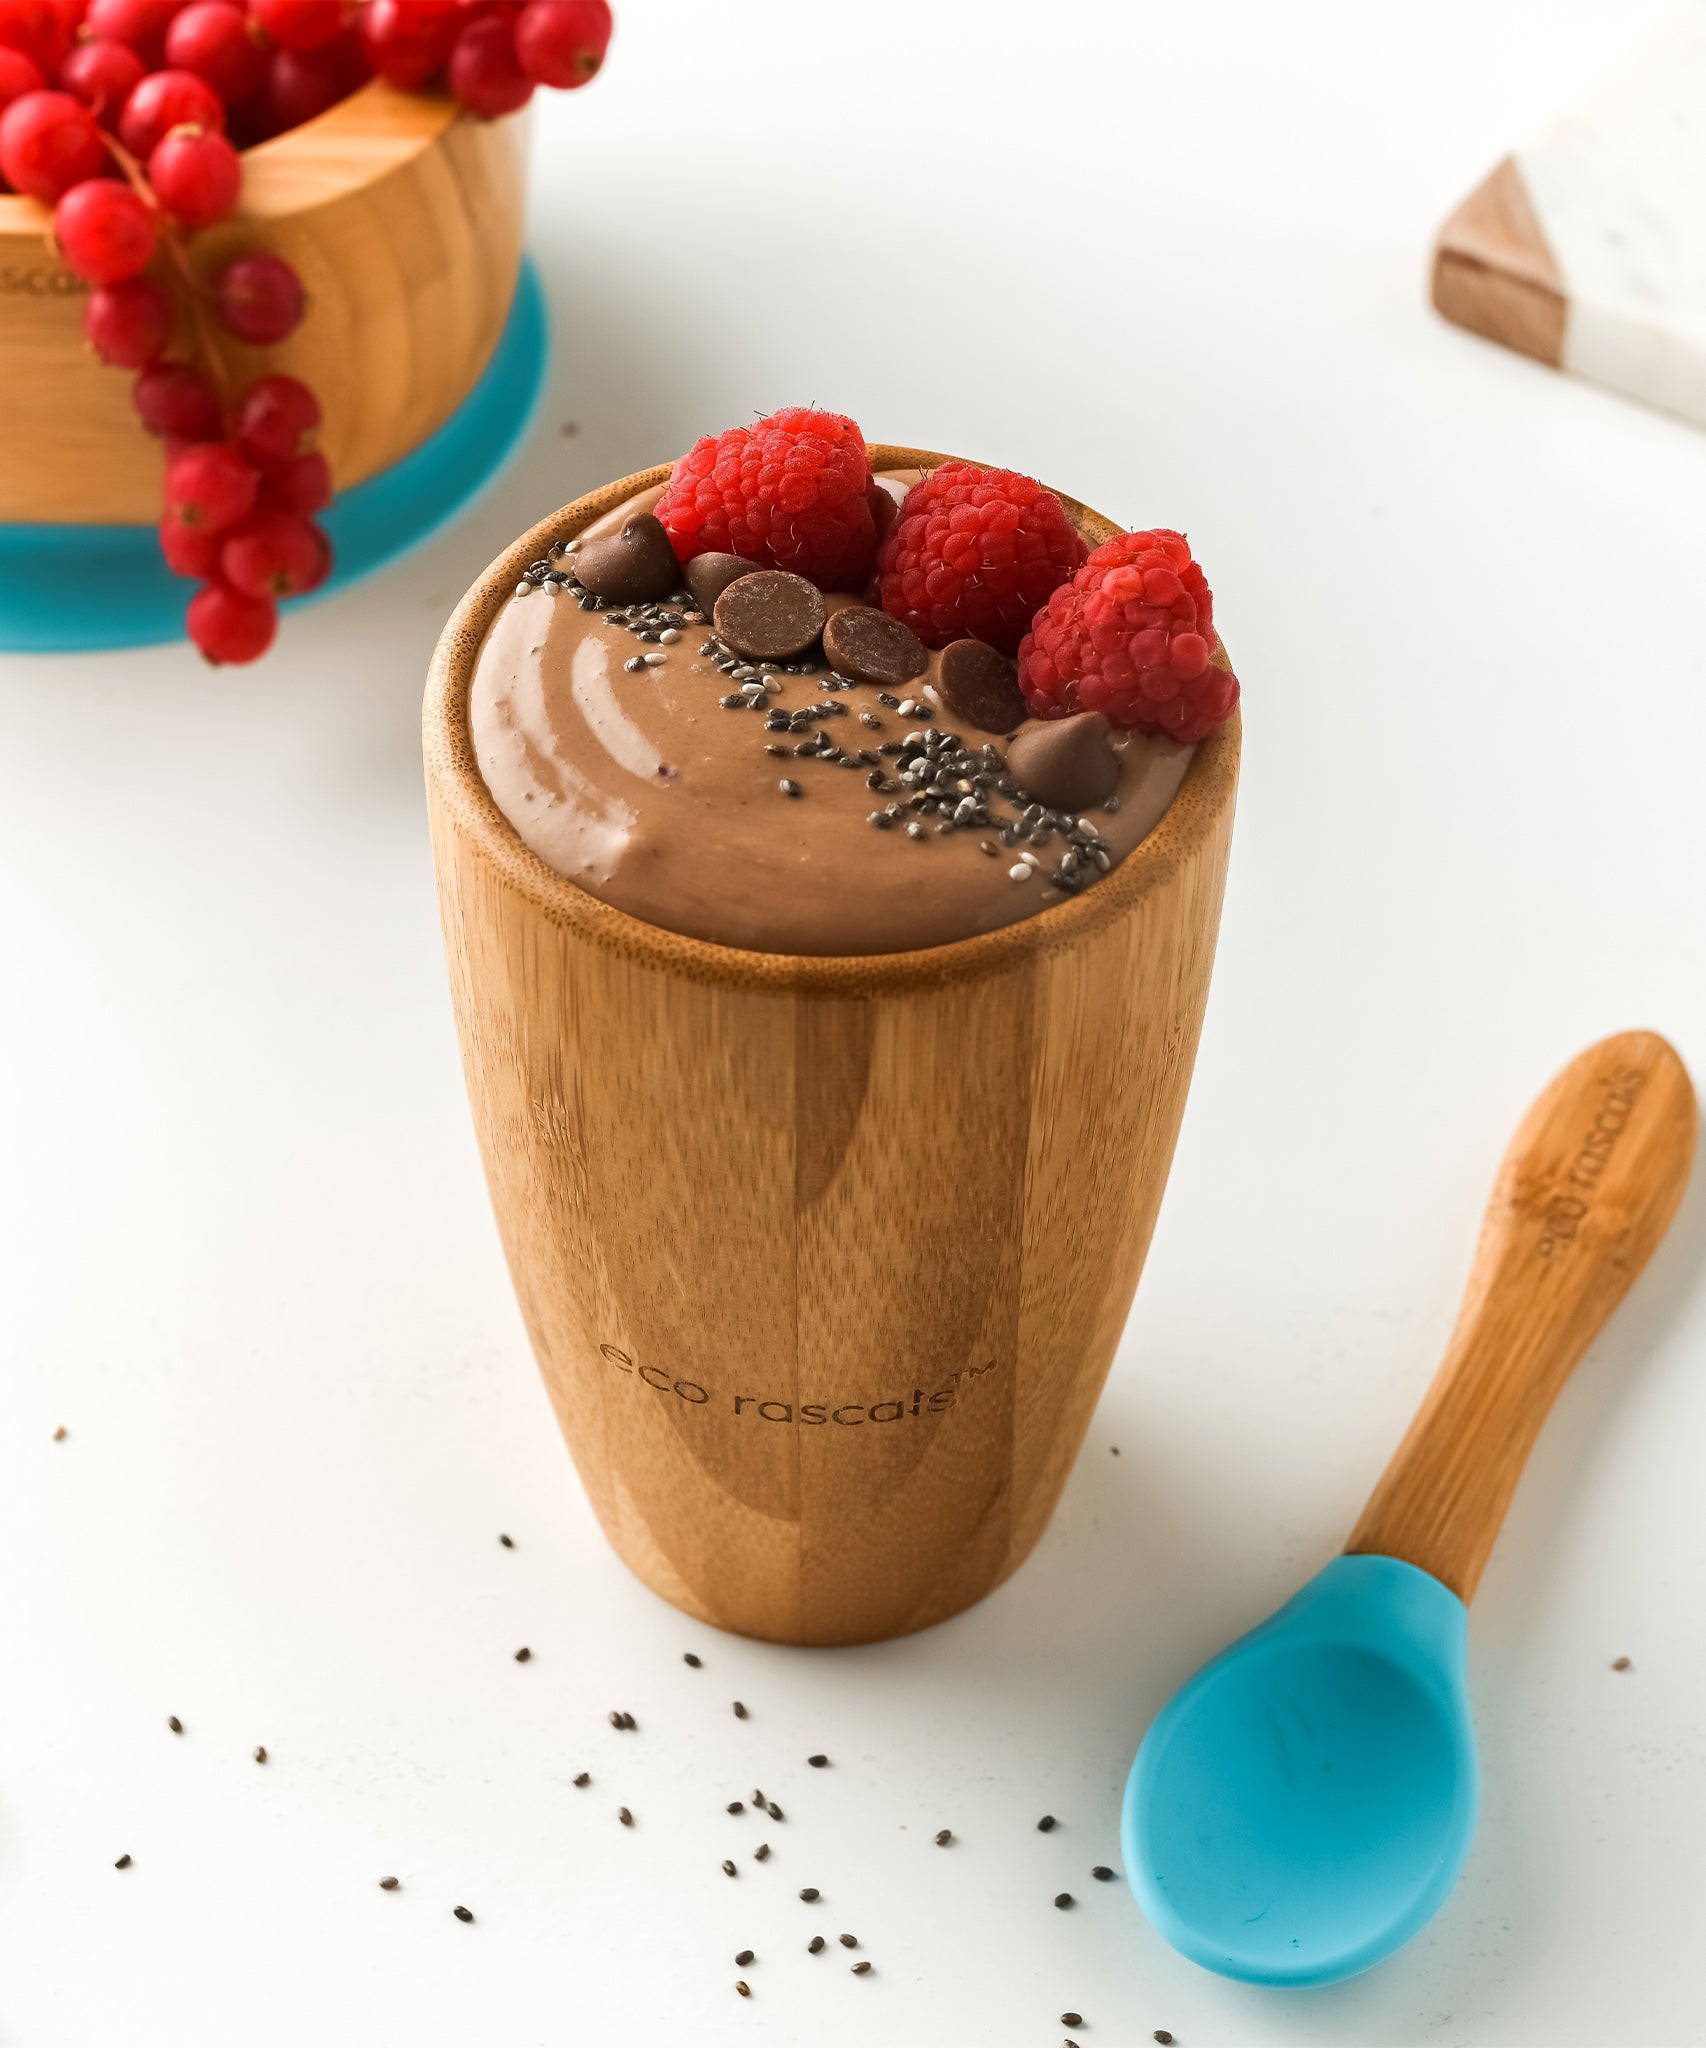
{"x":404,"y":223}
{"x":1586,"y":1191}
{"x":823,"y":1260}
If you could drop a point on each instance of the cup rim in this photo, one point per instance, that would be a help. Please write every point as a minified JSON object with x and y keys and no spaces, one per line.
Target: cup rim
{"x":456,"y":785}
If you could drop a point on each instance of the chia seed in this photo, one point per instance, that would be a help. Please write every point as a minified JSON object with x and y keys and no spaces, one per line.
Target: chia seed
{"x":789,"y":788}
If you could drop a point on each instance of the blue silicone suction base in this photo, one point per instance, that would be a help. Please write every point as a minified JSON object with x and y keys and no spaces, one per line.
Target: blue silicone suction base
{"x":73,"y":589}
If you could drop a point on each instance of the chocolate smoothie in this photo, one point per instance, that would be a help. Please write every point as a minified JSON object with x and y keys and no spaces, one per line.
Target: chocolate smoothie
{"x":718,"y":758}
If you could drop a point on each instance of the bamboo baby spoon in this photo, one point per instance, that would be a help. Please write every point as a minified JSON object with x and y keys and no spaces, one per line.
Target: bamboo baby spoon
{"x":1304,"y":1805}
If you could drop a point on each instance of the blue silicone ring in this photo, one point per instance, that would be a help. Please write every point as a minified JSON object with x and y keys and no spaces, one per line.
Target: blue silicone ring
{"x":74,"y":589}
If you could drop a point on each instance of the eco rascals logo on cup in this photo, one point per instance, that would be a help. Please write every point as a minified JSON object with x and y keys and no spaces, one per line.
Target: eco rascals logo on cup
{"x":916,"y":1403}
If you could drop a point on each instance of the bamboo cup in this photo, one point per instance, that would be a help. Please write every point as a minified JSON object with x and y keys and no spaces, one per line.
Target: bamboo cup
{"x":823,"y":1259}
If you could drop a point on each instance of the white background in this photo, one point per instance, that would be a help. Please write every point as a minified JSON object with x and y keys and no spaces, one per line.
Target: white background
{"x":1172,"y":259}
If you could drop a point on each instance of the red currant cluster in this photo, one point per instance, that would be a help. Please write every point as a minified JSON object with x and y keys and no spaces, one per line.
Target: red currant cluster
{"x":127,"y":118}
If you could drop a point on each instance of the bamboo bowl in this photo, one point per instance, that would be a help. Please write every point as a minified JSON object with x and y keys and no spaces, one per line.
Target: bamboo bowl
{"x":404,"y":222}
{"x":823,"y":1260}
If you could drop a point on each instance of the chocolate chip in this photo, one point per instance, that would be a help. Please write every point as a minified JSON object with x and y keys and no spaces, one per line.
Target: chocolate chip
{"x":869,"y":646}
{"x":1065,"y":762}
{"x":770,"y":615}
{"x":708,"y":576}
{"x":980,"y":685}
{"x":632,"y":566}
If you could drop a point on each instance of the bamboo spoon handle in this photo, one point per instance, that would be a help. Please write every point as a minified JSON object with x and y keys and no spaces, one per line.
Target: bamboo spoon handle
{"x":1587,"y":1188}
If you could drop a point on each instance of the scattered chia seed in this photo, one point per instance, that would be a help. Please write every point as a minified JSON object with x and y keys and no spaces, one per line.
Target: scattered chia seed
{"x":1047,"y":1824}
{"x":60,"y":1434}
{"x":462,"y":1913}
{"x":508,"y":1542}
{"x":261,"y":1754}
{"x":740,"y":1711}
{"x":1112,"y":805}
{"x":1162,"y":2035}
{"x":774,"y":1811}
{"x":1019,"y":872}
{"x":583,"y":1779}
{"x":1072,"y":2019}
{"x":123,"y":1862}
{"x":521,"y":589}
{"x":735,"y":1806}
{"x":861,"y":1969}
{"x":389,"y":1884}
{"x":634,"y":664}
{"x":746,"y":1956}
{"x":1621,"y":1664}
{"x":817,"y":1762}
{"x":176,"y":1726}
{"x":743,"y":1987}
{"x":790,"y":788}
{"x":524,"y":1655}
{"x":915,"y":830}
{"x":1064,"y":1899}
{"x":1102,"y":1874}
{"x":762,"y":1853}
{"x":811,"y":1894}
{"x":688,"y":1658}
{"x":670,"y":635}
{"x":883,"y":697}
{"x":814,"y":1947}
{"x":848,"y":1940}
{"x":943,"y":1837}
{"x":624,"y":1816}
{"x":758,"y":1798}
{"x":729,"y":1869}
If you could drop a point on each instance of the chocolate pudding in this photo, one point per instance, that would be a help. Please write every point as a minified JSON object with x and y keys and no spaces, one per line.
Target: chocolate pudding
{"x":719,"y":749}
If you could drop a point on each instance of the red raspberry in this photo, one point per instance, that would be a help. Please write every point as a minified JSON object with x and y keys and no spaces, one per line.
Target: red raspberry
{"x":1131,"y":635}
{"x":790,"y":493}
{"x":974,"y":552}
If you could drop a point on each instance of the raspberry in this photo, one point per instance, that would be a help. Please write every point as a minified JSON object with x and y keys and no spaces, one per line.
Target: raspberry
{"x":1131,"y":636}
{"x":788,"y":493}
{"x":973,"y":553}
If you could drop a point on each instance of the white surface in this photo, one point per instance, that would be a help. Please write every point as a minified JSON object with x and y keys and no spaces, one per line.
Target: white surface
{"x":249,"y":1260}
{"x":1617,"y":181}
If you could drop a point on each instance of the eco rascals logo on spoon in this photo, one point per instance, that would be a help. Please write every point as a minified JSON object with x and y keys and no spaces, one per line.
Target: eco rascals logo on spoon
{"x":917,"y":1403}
{"x":1568,"y":1206}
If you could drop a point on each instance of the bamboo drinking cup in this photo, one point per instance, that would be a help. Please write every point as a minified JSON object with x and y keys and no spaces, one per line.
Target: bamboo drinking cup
{"x":823,"y":1260}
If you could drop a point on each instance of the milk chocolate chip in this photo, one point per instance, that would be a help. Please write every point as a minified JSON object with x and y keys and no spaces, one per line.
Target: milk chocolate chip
{"x":980,"y":685}
{"x":1066,"y":763}
{"x":769,"y":615}
{"x":869,"y":646}
{"x":708,"y":576}
{"x":632,"y":566}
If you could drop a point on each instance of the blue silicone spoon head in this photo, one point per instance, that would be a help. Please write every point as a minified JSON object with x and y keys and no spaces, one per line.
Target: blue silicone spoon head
{"x":1304,"y":1805}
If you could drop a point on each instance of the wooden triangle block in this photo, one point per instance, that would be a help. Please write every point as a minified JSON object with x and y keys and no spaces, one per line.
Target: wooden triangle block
{"x":1586,"y":247}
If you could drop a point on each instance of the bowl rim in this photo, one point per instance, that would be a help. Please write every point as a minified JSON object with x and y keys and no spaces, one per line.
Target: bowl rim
{"x":359,"y":140}
{"x":454,"y":781}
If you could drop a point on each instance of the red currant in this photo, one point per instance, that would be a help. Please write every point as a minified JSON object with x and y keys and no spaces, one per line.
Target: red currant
{"x":166,"y":100}
{"x":260,"y":298}
{"x":409,"y":40}
{"x":196,"y":175}
{"x":275,"y":417}
{"x":189,"y":551}
{"x":104,"y":232}
{"x":213,"y":38}
{"x":48,"y":143}
{"x":298,"y":24}
{"x":33,"y":28}
{"x":484,"y":74}
{"x":300,"y":85}
{"x":303,"y":484}
{"x":210,"y":486}
{"x":17,"y":76}
{"x":128,"y":324}
{"x":274,"y":554}
{"x":103,"y":75}
{"x":562,"y":43}
{"x":227,"y":626}
{"x":140,"y":23}
{"x":178,"y":401}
